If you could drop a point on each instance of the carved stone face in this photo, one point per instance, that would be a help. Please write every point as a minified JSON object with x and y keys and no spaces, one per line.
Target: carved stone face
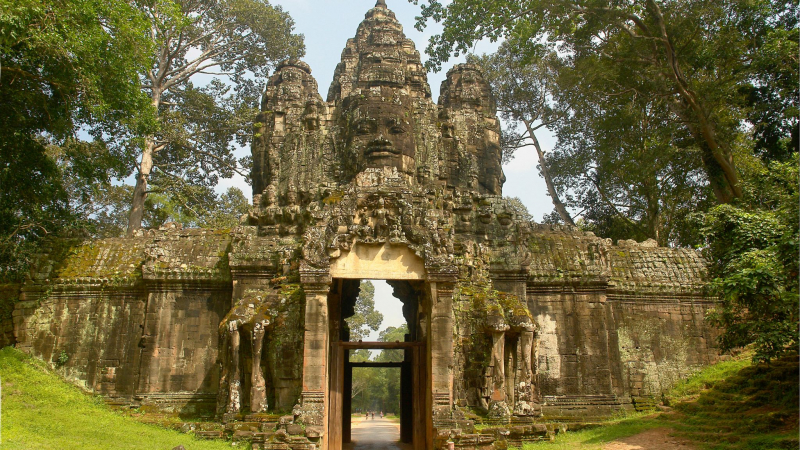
{"x":383,"y":134}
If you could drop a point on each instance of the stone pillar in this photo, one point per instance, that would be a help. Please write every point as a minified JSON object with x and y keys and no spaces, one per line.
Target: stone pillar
{"x":527,"y":402}
{"x":498,"y":366}
{"x":526,"y":356}
{"x":313,"y":403}
{"x":510,"y":360}
{"x":440,"y":343}
{"x":258,"y":389}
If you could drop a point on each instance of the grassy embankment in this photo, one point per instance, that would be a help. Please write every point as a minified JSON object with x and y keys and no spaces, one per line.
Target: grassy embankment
{"x":41,"y":411}
{"x":731,"y":405}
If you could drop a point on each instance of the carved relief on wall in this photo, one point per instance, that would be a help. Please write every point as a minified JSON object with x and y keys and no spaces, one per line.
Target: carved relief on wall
{"x":249,"y":320}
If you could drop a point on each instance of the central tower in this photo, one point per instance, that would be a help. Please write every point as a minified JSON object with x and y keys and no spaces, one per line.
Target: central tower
{"x":378,"y":115}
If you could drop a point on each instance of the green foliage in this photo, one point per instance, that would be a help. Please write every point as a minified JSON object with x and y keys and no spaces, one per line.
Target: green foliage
{"x":365,"y":317}
{"x":238,"y":42}
{"x":62,"y":359}
{"x":228,"y":209}
{"x":519,"y":209}
{"x":196,"y":206}
{"x":42,"y":411}
{"x":709,"y":70}
{"x":754,"y":263}
{"x":378,"y":389}
{"x":71,"y":64}
{"x":65,"y":67}
{"x":108,"y":208}
{"x":626,"y":163}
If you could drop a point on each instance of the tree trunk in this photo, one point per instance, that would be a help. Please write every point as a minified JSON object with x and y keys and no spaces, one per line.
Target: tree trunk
{"x":145,"y":166}
{"x":140,"y":190}
{"x":551,"y":187}
{"x":717,"y":157}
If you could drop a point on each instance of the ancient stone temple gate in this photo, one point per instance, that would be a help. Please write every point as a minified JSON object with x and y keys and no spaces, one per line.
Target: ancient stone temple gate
{"x":511,"y":322}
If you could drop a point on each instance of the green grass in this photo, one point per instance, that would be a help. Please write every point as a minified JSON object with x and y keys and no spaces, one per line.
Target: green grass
{"x":595,"y":438}
{"x":392,"y":418}
{"x":41,"y":411}
{"x":755,"y":408}
{"x":732,"y":405}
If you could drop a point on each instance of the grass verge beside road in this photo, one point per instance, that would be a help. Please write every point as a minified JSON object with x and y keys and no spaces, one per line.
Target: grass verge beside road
{"x":734,"y":404}
{"x":41,"y":411}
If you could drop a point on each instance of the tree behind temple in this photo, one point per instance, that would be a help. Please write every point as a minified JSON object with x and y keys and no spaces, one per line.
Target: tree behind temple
{"x":624,"y":160}
{"x":702,"y":58}
{"x":65,"y":67}
{"x":752,"y":253}
{"x":365,"y":319}
{"x":523,"y":86}
{"x":238,"y":40}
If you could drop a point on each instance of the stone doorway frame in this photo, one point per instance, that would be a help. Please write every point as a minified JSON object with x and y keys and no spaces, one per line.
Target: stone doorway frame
{"x":341,"y":373}
{"x":434,"y":345}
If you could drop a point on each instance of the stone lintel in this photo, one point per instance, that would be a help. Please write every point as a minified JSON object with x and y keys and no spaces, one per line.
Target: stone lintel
{"x":442,"y":274}
{"x":509,"y":275}
{"x":557,"y":285}
{"x":252,"y":272}
{"x":193,"y":284}
{"x":315,"y":280}
{"x":382,"y":262}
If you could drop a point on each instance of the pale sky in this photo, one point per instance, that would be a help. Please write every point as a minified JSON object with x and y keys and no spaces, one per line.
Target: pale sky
{"x":327,"y":24}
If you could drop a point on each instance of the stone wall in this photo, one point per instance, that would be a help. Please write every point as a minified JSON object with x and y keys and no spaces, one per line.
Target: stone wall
{"x":92,"y":335}
{"x":615,"y":324}
{"x":179,"y":347}
{"x":132,"y":319}
{"x":660,"y":341}
{"x":574,"y":349}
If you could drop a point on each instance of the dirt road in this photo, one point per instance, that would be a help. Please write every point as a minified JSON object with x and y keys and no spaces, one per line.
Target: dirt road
{"x":377,"y":434}
{"x":656,"y":439}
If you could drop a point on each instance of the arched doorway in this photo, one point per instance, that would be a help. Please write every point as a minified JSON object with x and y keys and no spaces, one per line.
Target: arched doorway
{"x":413,"y":367}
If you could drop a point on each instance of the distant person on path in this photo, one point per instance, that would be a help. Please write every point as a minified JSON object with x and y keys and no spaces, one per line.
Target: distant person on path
{"x":366,"y":415}
{"x":373,"y":415}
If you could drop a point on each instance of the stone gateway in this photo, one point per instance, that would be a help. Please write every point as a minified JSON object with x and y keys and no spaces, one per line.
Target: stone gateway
{"x":510,"y":323}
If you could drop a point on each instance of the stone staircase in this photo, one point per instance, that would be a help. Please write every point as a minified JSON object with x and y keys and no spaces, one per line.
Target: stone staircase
{"x":644,"y":404}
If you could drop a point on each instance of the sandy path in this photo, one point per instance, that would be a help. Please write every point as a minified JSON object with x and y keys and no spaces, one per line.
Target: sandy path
{"x":377,"y":434}
{"x":655,"y":439}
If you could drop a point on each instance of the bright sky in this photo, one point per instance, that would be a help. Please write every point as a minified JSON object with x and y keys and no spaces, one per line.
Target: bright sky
{"x":327,"y":24}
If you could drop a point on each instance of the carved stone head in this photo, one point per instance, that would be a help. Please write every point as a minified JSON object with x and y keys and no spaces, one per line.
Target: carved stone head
{"x":381,"y":134}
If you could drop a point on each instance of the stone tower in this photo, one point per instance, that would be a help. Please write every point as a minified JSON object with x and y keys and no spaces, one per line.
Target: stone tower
{"x":378,"y":115}
{"x":511,"y":323}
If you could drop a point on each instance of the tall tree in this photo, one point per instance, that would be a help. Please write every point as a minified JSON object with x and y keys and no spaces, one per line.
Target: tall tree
{"x":523,"y":87}
{"x":390,"y":376}
{"x":237,"y":40}
{"x":365,"y":319}
{"x":202,"y":207}
{"x":696,"y":56}
{"x":625,"y":162}
{"x":65,"y":67}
